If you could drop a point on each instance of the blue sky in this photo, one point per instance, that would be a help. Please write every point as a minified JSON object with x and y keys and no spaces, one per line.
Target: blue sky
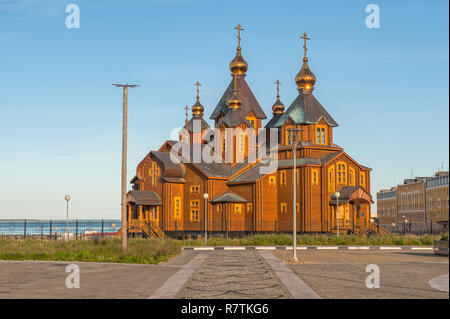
{"x":60,"y":121}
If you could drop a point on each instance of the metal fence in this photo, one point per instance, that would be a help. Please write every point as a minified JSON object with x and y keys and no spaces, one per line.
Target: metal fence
{"x":417,"y":228}
{"x":275,"y":226}
{"x":58,"y":229}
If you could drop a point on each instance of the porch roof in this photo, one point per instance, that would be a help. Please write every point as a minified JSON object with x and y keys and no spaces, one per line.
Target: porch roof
{"x":228,"y":197}
{"x":143,"y":198}
{"x":352,"y":193}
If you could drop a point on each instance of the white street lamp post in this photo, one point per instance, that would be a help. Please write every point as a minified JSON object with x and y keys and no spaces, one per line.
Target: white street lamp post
{"x":205,"y":196}
{"x":337,"y":195}
{"x":67,"y":198}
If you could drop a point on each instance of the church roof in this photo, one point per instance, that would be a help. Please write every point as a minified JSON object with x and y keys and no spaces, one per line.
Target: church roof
{"x":245,"y":94}
{"x":143,"y":197}
{"x":273,"y":120}
{"x":349,"y":193}
{"x":305,"y":110}
{"x":192,"y":156}
{"x":171,"y":169}
{"x":228,"y":197}
{"x":190,"y":125}
{"x":234,"y":118}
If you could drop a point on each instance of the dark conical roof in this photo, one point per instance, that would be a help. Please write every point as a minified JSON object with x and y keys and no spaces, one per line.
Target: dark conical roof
{"x":190,"y":125}
{"x":248,"y":100}
{"x":305,"y":110}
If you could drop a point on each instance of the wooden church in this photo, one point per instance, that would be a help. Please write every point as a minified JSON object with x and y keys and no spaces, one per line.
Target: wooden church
{"x":233,"y":194}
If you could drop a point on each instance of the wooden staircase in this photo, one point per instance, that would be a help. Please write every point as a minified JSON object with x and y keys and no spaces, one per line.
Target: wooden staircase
{"x":150,"y":229}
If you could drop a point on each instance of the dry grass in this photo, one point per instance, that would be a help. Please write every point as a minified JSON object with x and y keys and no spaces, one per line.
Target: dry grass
{"x":140,"y":251}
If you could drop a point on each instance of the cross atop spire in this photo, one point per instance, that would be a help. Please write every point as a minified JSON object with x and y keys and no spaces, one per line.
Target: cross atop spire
{"x":187,"y":113}
{"x":305,"y":37}
{"x":239,"y":28}
{"x":198,"y":85}
{"x":278,"y":88}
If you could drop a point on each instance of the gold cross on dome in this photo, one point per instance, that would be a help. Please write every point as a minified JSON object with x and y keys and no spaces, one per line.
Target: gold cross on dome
{"x":187,"y":110}
{"x":305,"y":37}
{"x":239,"y":28}
{"x":198,"y":85}
{"x":278,"y":87}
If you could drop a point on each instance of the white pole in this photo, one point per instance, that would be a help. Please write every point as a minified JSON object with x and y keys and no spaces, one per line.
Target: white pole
{"x":294,"y":207}
{"x":337,"y":214}
{"x":67,"y":198}
{"x":205,"y":196}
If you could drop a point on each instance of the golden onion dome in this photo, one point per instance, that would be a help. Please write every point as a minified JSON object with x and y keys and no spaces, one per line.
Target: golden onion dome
{"x":234,"y":102}
{"x":305,"y":79}
{"x":278,"y":107}
{"x":238,"y":65}
{"x":197,"y":108}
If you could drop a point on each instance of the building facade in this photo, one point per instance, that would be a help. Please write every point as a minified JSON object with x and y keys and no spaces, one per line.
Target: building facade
{"x":387,"y":206}
{"x":437,"y":198}
{"x":419,"y":204}
{"x":228,"y":163}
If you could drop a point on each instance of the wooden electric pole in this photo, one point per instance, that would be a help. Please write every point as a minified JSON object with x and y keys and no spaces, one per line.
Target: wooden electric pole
{"x":124,"y":164}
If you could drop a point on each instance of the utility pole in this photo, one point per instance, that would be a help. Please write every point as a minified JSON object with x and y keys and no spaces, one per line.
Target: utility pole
{"x":124,"y":163}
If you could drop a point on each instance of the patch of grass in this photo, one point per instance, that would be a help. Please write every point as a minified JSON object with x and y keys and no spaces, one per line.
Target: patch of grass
{"x":444,"y":236}
{"x":140,"y":251}
{"x":319,"y":239}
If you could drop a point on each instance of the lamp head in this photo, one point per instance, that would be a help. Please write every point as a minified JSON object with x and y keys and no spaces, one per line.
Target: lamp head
{"x":205,"y":195}
{"x":337,"y":194}
{"x":67,"y":198}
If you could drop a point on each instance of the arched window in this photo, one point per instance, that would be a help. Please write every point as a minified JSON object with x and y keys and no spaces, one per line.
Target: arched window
{"x":341,"y":173}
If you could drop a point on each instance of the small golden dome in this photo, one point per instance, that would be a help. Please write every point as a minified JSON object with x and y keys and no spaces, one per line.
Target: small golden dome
{"x":197,"y":108}
{"x":238,"y":65}
{"x":305,"y":79}
{"x":234,"y":102}
{"x":278,"y":107}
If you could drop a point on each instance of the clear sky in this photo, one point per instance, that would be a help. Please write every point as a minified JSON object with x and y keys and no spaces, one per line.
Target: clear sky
{"x":60,"y":118}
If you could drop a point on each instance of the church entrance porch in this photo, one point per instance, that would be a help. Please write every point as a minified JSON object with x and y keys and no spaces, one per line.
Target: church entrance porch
{"x":353,"y":213}
{"x":143,"y":211}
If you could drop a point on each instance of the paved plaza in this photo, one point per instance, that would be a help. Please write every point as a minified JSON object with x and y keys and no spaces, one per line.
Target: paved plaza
{"x":238,"y":274}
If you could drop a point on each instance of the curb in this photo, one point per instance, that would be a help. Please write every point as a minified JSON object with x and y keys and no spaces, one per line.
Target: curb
{"x":407,"y":248}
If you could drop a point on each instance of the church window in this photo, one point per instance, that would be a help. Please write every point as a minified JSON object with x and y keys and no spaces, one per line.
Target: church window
{"x":341,"y":173}
{"x":321,"y":135}
{"x":290,"y":136}
{"x":283,"y":208}
{"x":237,"y":209}
{"x":283,"y":178}
{"x":297,"y":208}
{"x":249,"y":208}
{"x":224,"y":144}
{"x":154,"y":173}
{"x":298,"y":176}
{"x":219,"y":209}
{"x":331,"y":177}
{"x":272,"y":180}
{"x":315,"y":176}
{"x":351,"y":176}
{"x":439,"y":203}
{"x":195,"y":189}
{"x":177,"y":207}
{"x":241,"y":142}
{"x":361,"y":179}
{"x":194,"y":210}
